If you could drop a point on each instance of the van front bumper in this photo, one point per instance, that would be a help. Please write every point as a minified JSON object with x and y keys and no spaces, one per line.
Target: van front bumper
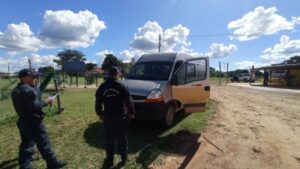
{"x":149,"y":111}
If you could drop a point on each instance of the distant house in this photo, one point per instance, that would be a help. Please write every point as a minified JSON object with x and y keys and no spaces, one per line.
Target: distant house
{"x":96,"y":70}
{"x":283,"y":74}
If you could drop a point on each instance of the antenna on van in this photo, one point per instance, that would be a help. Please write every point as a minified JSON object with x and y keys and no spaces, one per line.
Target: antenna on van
{"x":159,"y":43}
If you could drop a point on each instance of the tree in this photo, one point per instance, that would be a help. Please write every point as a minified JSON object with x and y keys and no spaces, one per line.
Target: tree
{"x":292,"y":60}
{"x":110,"y":61}
{"x":213,"y":72}
{"x":46,"y":70}
{"x":237,"y":72}
{"x":90,"y":66}
{"x":69,"y":54}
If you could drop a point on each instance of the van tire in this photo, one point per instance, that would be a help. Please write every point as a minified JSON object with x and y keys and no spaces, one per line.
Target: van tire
{"x":169,"y":116}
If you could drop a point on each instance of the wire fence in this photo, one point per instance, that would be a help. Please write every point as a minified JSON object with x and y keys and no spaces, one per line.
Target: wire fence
{"x":6,"y":88}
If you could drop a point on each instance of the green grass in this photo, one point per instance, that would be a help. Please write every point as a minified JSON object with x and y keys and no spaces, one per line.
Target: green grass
{"x":78,"y":137}
{"x":216,"y":80}
{"x":6,"y":86}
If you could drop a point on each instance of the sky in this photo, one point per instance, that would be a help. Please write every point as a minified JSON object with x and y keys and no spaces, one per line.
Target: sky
{"x":241,"y":33}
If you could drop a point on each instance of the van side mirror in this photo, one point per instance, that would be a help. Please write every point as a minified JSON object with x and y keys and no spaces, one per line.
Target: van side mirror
{"x":174,"y":80}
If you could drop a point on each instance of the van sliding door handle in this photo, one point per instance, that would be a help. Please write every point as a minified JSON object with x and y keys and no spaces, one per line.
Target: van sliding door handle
{"x":207,"y":88}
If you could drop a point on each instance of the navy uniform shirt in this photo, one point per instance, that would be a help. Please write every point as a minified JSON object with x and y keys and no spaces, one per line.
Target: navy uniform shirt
{"x":28,"y":103}
{"x":115,"y":98}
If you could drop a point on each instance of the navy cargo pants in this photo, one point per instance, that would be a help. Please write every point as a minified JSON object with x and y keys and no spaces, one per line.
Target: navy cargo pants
{"x":32,"y":134}
{"x":116,"y":133}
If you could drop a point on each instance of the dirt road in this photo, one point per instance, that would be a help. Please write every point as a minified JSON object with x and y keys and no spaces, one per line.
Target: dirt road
{"x":252,"y":129}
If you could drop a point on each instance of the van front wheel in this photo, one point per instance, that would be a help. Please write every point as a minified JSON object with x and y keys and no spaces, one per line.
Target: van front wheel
{"x":169,"y":117}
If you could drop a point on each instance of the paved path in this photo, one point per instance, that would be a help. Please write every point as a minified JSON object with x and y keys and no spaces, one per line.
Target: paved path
{"x":267,"y":88}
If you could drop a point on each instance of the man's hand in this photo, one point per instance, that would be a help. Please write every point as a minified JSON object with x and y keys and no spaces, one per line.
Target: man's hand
{"x":50,"y":101}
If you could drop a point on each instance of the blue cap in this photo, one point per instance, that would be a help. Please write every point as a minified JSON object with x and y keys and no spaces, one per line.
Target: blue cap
{"x":28,"y":72}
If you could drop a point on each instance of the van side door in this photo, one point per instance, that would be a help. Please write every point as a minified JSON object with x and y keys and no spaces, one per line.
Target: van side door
{"x":190,"y":84}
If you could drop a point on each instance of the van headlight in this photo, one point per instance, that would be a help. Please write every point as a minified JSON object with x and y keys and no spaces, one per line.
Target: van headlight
{"x":155,"y":95}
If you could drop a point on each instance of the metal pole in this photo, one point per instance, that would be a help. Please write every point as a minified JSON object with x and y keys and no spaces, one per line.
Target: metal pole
{"x":8,"y":71}
{"x":85,"y":80}
{"x":159,"y":43}
{"x":58,"y":97}
{"x":220,"y":73}
{"x":96,"y":80}
{"x":76,"y":79}
{"x":227,"y":71}
{"x":29,"y":62}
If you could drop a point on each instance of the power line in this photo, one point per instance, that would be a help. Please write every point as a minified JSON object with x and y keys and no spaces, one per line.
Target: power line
{"x":204,"y":35}
{"x":173,"y":19}
{"x":209,"y":35}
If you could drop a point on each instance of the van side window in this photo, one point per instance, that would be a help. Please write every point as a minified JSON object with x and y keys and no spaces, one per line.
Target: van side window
{"x":177,"y":65}
{"x":196,"y":70}
{"x":181,"y":75}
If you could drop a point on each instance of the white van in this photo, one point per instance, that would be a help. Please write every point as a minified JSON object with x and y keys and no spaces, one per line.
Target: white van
{"x":162,"y":84}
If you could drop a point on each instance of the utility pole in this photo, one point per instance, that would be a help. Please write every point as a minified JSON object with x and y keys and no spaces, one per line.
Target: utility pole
{"x":220,"y":72}
{"x":159,"y":43}
{"x":29,"y":62}
{"x":8,"y":71}
{"x":227,"y":71}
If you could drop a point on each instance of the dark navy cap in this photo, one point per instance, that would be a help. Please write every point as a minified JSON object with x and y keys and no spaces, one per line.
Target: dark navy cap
{"x":113,"y":71}
{"x":28,"y":72}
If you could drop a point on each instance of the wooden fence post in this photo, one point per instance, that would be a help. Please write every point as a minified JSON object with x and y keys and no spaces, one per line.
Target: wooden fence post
{"x":58,"y":97}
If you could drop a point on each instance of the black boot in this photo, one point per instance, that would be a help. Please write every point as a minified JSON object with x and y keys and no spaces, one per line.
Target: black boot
{"x":56,"y":164}
{"x":123,"y":160}
{"x":108,"y":162}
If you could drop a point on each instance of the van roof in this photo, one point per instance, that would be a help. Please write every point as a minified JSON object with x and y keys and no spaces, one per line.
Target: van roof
{"x":158,"y":57}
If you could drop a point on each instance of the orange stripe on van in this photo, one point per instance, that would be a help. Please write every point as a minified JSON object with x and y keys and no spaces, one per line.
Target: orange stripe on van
{"x":154,"y":100}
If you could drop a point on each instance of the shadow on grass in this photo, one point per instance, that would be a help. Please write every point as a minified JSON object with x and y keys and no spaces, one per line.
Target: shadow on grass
{"x":9,"y":164}
{"x":94,"y":135}
{"x":146,"y":143}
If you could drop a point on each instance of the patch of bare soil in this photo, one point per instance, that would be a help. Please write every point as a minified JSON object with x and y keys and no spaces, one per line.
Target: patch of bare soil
{"x":251,"y":129}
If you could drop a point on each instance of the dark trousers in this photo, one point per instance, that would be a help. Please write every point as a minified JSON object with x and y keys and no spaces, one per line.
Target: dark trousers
{"x":116,"y":134}
{"x":32,"y":134}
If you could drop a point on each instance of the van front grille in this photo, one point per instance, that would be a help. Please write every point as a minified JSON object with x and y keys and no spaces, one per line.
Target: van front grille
{"x":135,"y":97}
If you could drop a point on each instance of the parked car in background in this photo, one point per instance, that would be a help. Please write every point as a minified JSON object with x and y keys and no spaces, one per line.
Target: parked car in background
{"x":234,"y":78}
{"x":243,"y":77}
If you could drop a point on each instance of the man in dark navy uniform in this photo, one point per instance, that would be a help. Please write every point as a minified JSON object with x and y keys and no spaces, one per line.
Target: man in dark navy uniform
{"x":118,"y":110}
{"x":28,"y":104}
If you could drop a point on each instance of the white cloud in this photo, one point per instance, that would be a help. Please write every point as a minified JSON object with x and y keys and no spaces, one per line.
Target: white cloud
{"x":175,"y":36}
{"x":18,"y":38}
{"x":260,"y":22}
{"x":218,"y":50}
{"x":71,"y":30}
{"x":42,"y":61}
{"x":147,"y":37}
{"x":101,"y":55}
{"x":246,"y":64}
{"x":18,"y":63}
{"x":191,"y":52}
{"x":127,"y":55}
{"x":296,"y":20}
{"x":285,"y":49}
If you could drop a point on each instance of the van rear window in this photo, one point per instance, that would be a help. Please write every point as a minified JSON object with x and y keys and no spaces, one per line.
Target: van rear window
{"x":150,"y":71}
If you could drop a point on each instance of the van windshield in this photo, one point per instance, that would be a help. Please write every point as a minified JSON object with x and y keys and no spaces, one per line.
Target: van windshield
{"x":150,"y":71}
